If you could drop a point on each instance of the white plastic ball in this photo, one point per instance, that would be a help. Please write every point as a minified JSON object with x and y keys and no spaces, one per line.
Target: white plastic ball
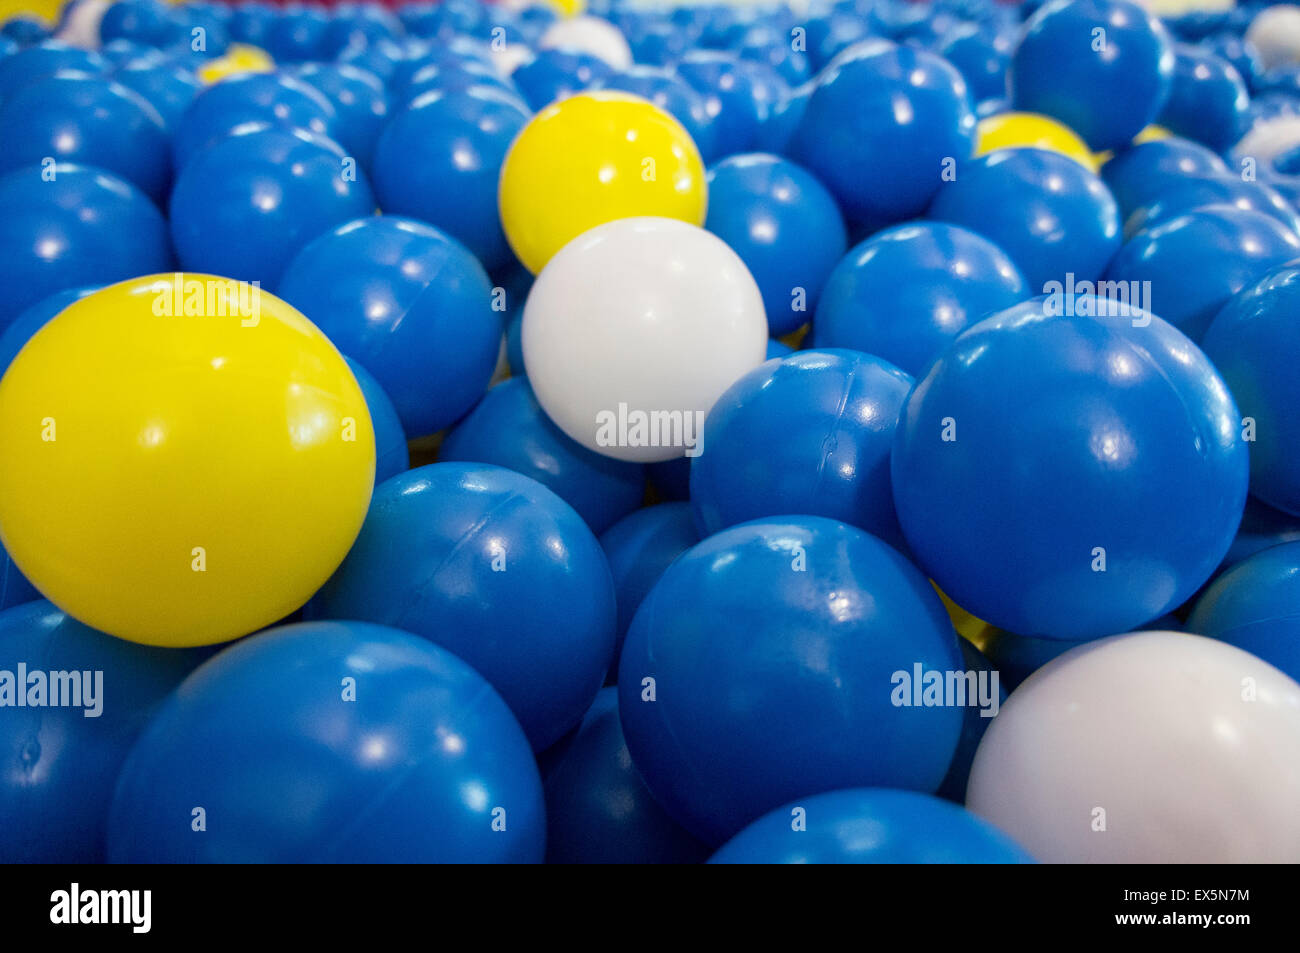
{"x":634,"y":329}
{"x":589,"y":35}
{"x":1268,"y":138}
{"x":1275,"y":31}
{"x":1155,"y":747}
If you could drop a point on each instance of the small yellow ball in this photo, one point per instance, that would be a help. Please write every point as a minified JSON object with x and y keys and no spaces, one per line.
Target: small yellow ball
{"x":1014,"y":130}
{"x":590,"y":159}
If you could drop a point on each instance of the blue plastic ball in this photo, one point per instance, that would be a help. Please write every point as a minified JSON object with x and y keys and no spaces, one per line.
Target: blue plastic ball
{"x":15,"y":336}
{"x":1047,"y":212}
{"x":60,"y":762}
{"x":170,"y":89}
{"x":671,"y":93}
{"x":739,"y":95}
{"x":391,"y":454}
{"x":1208,"y":101}
{"x":879,"y":126}
{"x":83,"y":119}
{"x":1179,"y":198}
{"x":508,"y":428}
{"x":639,"y":548}
{"x":1138,"y":175}
{"x":906,"y":292}
{"x":758,"y":669}
{"x":360,"y":104}
{"x":452,"y":74}
{"x":1046,"y":466}
{"x":1255,"y":343}
{"x":243,"y":207}
{"x":1261,"y":526}
{"x":252,"y":23}
{"x":334,"y":742}
{"x":598,"y":810}
{"x":1195,"y":262}
{"x":439,"y":160}
{"x":297,"y":35}
{"x":412,"y":305}
{"x":494,"y":567}
{"x":82,"y":226}
{"x":981,"y":56}
{"x":45,"y":59}
{"x":808,"y":434}
{"x":1243,"y":56}
{"x":14,"y":587}
{"x":358,"y":25}
{"x":784,"y":225}
{"x":1255,"y":606}
{"x":870,"y":826}
{"x":278,"y":99}
{"x":1102,"y":67}
{"x":144,"y":21}
{"x":25,"y":30}
{"x":554,"y":74}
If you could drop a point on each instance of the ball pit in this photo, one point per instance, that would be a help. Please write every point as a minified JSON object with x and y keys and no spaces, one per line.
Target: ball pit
{"x":702,"y":431}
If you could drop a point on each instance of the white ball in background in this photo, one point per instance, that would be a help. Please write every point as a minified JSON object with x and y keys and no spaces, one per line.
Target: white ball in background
{"x":1155,"y":747}
{"x":1267,"y":139}
{"x":589,"y":35}
{"x":1275,"y":31}
{"x":638,"y":320}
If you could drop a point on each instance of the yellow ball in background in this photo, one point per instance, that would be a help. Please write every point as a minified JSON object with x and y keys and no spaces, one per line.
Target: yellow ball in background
{"x":590,"y":159}
{"x":239,"y":58}
{"x":1014,"y":130}
{"x":184,"y":459}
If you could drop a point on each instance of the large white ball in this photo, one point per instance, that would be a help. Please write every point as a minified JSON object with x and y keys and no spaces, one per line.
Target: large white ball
{"x":1156,"y":747}
{"x":1275,"y":31}
{"x":636,"y":320}
{"x":591,"y":35}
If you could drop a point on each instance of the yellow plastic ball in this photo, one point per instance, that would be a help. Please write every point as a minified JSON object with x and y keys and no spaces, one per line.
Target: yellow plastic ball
{"x":183,"y":459}
{"x":1030,"y":130}
{"x":590,"y":159}
{"x":239,"y":58}
{"x":570,"y":8}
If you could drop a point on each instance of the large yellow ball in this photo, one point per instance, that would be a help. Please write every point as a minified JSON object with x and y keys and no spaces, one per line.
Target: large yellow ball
{"x":590,"y":159}
{"x":1030,"y":130}
{"x":183,"y":459}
